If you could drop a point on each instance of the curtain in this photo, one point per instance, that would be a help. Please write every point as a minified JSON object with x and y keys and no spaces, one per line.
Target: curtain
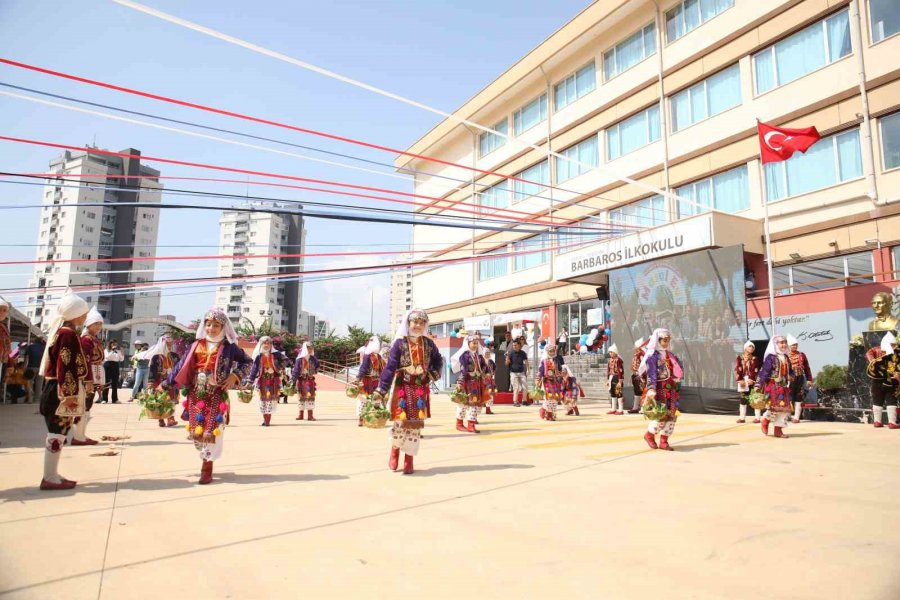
{"x":698,"y":102}
{"x":691,"y":14}
{"x":731,"y":190}
{"x":800,"y":54}
{"x":849,"y":158}
{"x":681,"y":110}
{"x":613,"y":150}
{"x":885,"y":18}
{"x":839,"y":35}
{"x":653,"y":118}
{"x":764,"y":64}
{"x":710,"y":8}
{"x":630,"y":52}
{"x":724,"y":90}
{"x":674,"y":24}
{"x":585,"y":80}
{"x":775,"y":185}
{"x":813,"y":170}
{"x":890,"y":142}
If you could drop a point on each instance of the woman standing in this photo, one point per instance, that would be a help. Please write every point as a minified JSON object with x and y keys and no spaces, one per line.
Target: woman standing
{"x":162,"y":359}
{"x":470,"y":366}
{"x":111,"y":359}
{"x":93,"y":352}
{"x":304,"y":376}
{"x":775,"y":380}
{"x":369,"y":373}
{"x":413,"y":363}
{"x":550,"y":377}
{"x":746,"y":368}
{"x":664,"y":374}
{"x":212,"y":365}
{"x":266,"y":376}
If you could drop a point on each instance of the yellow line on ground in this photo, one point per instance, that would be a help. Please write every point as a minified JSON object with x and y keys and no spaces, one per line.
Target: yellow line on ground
{"x":618,"y":453}
{"x":614,"y":440}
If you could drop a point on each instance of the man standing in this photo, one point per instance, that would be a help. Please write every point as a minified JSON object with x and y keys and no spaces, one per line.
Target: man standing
{"x":33,"y":354}
{"x":517,"y":362}
{"x":141,"y":369}
{"x":803,"y":376}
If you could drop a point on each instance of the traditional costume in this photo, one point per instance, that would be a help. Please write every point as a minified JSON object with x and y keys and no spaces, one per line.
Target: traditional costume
{"x":802,"y":376}
{"x":370,"y":366}
{"x":66,"y":373}
{"x":472,"y":370}
{"x":638,"y":382}
{"x":746,"y":368}
{"x":615,"y":377}
{"x":571,"y":390}
{"x":304,"y":377}
{"x":550,"y":378}
{"x":774,"y":380}
{"x":490,"y":381}
{"x":93,"y":352}
{"x":664,"y":374}
{"x":884,"y":372}
{"x":413,"y":363}
{"x":5,"y":340}
{"x":206,"y":371}
{"x":266,"y":376}
{"x":163,"y":359}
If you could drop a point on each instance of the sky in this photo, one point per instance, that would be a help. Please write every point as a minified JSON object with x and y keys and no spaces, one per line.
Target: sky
{"x":439,"y":52}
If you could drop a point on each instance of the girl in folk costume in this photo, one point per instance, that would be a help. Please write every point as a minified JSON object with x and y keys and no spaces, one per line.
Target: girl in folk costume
{"x":413,"y":363}
{"x":803,"y":378}
{"x":67,"y":380}
{"x":664,"y":373}
{"x":266,"y":376}
{"x":163,"y":358}
{"x":774,"y":379}
{"x":571,"y":389}
{"x":472,"y":369}
{"x":746,"y":368}
{"x":370,"y":366}
{"x":304,"y":376}
{"x":213,"y":365}
{"x":638,"y":382}
{"x":615,"y":377}
{"x":92,"y":348}
{"x":550,"y":377}
{"x":490,"y":382}
{"x":884,"y":371}
{"x":5,"y":341}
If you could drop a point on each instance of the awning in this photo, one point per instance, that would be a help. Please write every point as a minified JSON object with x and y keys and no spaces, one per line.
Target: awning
{"x":20,"y":326}
{"x":487,"y":322}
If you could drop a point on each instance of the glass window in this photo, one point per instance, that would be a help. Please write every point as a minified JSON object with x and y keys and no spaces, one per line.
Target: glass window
{"x":490,"y":268}
{"x":488,"y":142}
{"x":890,"y":140}
{"x":885,"y":18}
{"x":689,"y":14}
{"x":573,"y":238}
{"x":809,"y":49}
{"x":532,"y":258}
{"x":895,"y":257}
{"x":829,"y":161}
{"x":496,"y":196}
{"x":530,"y":115}
{"x":633,"y":133}
{"x":825,"y":273}
{"x":537,"y":176}
{"x":648,"y":212}
{"x":629,"y":52}
{"x":575,"y":86}
{"x":727,"y":192}
{"x":585,"y":153}
{"x":707,"y":98}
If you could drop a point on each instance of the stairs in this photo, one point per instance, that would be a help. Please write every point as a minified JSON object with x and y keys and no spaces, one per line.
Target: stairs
{"x":590,"y":370}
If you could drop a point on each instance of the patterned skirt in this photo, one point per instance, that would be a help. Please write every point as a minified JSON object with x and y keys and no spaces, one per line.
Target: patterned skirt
{"x":269,"y":385}
{"x":666,"y":393}
{"x":205,"y":415}
{"x":306,"y":386}
{"x":477,"y":390}
{"x":553,"y":388}
{"x":368,"y":385}
{"x":411,"y":401}
{"x":779,"y":396}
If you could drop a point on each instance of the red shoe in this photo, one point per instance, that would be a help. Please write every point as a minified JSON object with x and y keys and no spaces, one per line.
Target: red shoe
{"x":309,"y":416}
{"x":488,"y":411}
{"x":460,"y":426}
{"x":765,"y":426}
{"x":408,"y":465}
{"x":741,"y":421}
{"x":780,"y":433}
{"x":619,"y":412}
{"x":65,"y":484}
{"x":651,"y":440}
{"x":227,"y":418}
{"x":793,"y":420}
{"x":893,"y":426}
{"x":577,"y":412}
{"x":395,"y":459}
{"x":300,"y":416}
{"x":879,"y":424}
{"x":267,"y":419}
{"x":470,"y":429}
{"x":360,"y":422}
{"x":206,"y":472}
{"x":171,"y":422}
{"x":756,"y":421}
{"x":84,"y":442}
{"x":611,"y":412}
{"x":162,"y":422}
{"x":543,"y":413}
{"x":664,"y":443}
{"x":570,"y":412}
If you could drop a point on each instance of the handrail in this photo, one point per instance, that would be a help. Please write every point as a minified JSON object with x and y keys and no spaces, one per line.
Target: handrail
{"x":762,"y":292}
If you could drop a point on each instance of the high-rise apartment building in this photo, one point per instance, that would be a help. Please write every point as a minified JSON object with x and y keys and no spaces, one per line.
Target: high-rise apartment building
{"x":401,"y":292}
{"x":323,"y":329}
{"x":252,"y":240}
{"x":80,"y":221}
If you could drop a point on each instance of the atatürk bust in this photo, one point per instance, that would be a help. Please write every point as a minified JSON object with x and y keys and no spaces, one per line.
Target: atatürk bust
{"x":882,"y":303}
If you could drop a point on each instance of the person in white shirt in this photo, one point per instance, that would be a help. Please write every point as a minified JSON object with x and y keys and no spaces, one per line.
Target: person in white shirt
{"x":112,"y":359}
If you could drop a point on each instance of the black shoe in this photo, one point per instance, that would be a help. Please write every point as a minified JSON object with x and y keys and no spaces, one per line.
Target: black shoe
{"x":116,"y":402}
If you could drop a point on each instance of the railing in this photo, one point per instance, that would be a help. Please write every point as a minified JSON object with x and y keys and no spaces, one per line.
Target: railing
{"x":797,"y":288}
{"x":340,"y":371}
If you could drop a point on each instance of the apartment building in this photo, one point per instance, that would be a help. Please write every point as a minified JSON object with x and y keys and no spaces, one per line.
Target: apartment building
{"x":95,"y":222}
{"x":401,"y":291}
{"x":634,"y":139}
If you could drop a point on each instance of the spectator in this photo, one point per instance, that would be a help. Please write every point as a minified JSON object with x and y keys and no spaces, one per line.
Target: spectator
{"x":16,"y":381}
{"x":112,"y":359}
{"x":33,"y":354}
{"x":141,"y":368}
{"x":517,"y":361}
{"x":562,"y":341}
{"x":506,"y":344}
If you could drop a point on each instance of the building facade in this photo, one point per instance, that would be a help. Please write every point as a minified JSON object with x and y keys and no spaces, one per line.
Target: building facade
{"x":322,"y":330}
{"x":253,"y":241}
{"x":97,"y":222}
{"x":401,"y":291}
{"x":640,"y":119}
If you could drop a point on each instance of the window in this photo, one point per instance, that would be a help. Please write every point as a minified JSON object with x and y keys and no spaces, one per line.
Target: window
{"x":728,"y":192}
{"x":489,"y":268}
{"x":538,"y":176}
{"x":488,"y":142}
{"x":885,"y":16}
{"x":895,"y":257}
{"x":629,"y":52}
{"x":707,"y":98}
{"x":807,"y":50}
{"x":530,"y":115}
{"x":825,"y":273}
{"x":633,"y":133}
{"x":829,"y":161}
{"x":690,"y":14}
{"x":575,"y":86}
{"x":585,"y":153}
{"x":648,"y":212}
{"x":496,"y":196}
{"x":532,"y":258}
{"x":890,"y":140}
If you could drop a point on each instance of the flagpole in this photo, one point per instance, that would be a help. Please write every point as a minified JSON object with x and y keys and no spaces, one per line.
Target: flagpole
{"x":765,"y":201}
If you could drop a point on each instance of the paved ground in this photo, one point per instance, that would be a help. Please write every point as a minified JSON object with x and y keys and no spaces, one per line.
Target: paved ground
{"x":527,"y":509}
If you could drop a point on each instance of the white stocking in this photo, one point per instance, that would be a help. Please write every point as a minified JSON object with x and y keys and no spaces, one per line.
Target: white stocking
{"x":757,"y":412}
{"x":472,"y":413}
{"x":892,"y":414}
{"x":743,"y":409}
{"x":621,"y":403}
{"x":460,"y":412}
{"x":80,"y":428}
{"x":407,"y":440}
{"x":653,"y":427}
{"x":798,"y":408}
{"x":877,"y":412}
{"x":52,"y":454}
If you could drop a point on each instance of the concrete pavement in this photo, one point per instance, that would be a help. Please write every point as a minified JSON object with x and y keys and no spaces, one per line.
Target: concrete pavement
{"x":527,"y":509}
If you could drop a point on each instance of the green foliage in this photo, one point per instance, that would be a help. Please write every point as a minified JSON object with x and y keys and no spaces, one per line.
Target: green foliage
{"x":832,"y":377}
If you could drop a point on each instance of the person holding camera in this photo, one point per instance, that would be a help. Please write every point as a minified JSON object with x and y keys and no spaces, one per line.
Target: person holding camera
{"x":112,"y":358}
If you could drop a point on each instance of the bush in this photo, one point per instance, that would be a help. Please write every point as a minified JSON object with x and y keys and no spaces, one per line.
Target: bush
{"x":832,"y":377}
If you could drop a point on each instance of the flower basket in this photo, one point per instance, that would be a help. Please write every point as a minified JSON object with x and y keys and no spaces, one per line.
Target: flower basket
{"x":459,"y":396}
{"x":758,"y":400}
{"x":654,"y":411}
{"x":289,"y":390}
{"x":155,"y":404}
{"x":374,"y":415}
{"x":536,"y":394}
{"x":352,"y":390}
{"x":245,"y":396}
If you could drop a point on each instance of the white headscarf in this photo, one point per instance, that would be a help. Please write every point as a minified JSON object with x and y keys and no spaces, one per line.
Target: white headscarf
{"x":791,"y":340}
{"x":749,"y":344}
{"x":93,"y":316}
{"x":772,"y":348}
{"x":568,"y":371}
{"x":227,"y":328}
{"x":545,"y":354}
{"x":613,"y":348}
{"x":373,"y":346}
{"x":70,"y":307}
{"x":259,"y":349}
{"x":455,"y":364}
{"x":3,"y":303}
{"x":304,"y":351}
{"x":652,"y":347}
{"x":403,"y":328}
{"x":639,"y":342}
{"x":886,"y":342}
{"x":160,"y":348}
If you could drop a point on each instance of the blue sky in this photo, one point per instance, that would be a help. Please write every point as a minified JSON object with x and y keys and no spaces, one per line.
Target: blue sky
{"x":437,"y":52}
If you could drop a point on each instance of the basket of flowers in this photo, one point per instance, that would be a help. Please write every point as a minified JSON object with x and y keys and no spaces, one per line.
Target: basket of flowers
{"x":758,"y":399}
{"x":459,"y":395}
{"x":374,"y":414}
{"x":245,"y":395}
{"x":289,"y":389}
{"x":654,"y":411}
{"x":352,"y":390}
{"x":536,"y":394}
{"x":155,"y":404}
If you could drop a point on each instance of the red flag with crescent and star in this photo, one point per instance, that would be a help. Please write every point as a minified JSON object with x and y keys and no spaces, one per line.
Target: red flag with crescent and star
{"x":780,"y":143}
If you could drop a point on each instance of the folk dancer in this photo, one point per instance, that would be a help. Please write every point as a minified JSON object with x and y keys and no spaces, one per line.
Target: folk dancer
{"x":213,"y":365}
{"x":615,"y":377}
{"x":774,"y":379}
{"x":370,"y":367}
{"x":413,"y":363}
{"x":571,"y":390}
{"x":471,"y":367}
{"x":638,"y":382}
{"x":67,"y":379}
{"x":884,"y":372}
{"x":550,"y":378}
{"x":304,"y":376}
{"x":664,"y":374}
{"x":266,"y":376}
{"x":490,"y":382}
{"x":746,"y":368}
{"x":92,"y":348}
{"x":5,"y":341}
{"x":162,"y":359}
{"x":803,"y":379}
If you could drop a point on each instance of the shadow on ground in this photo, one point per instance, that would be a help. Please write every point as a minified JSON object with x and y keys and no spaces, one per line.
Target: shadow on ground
{"x":468,"y":469}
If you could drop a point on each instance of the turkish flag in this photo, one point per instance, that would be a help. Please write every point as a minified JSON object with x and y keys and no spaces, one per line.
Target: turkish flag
{"x":780,"y":143}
